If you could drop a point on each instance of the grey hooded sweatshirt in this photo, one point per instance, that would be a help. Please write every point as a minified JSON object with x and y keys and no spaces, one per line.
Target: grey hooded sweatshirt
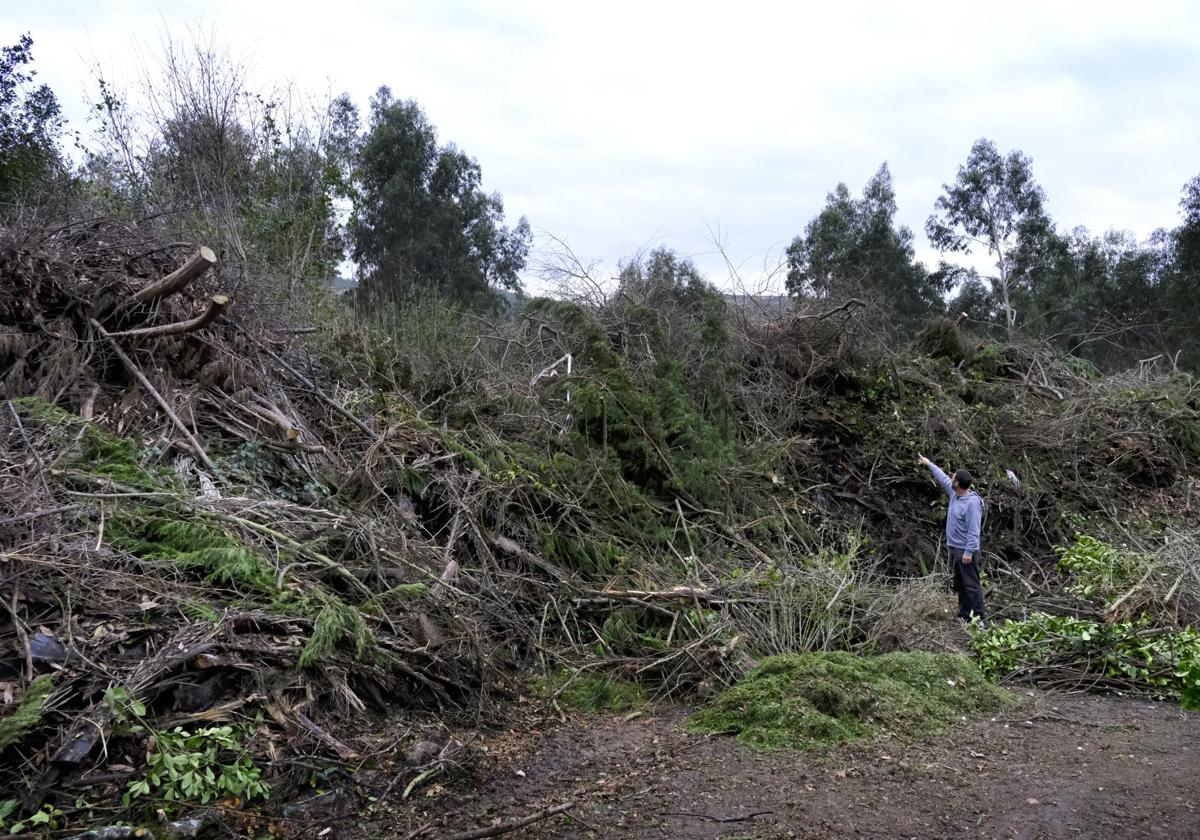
{"x":964,"y":515}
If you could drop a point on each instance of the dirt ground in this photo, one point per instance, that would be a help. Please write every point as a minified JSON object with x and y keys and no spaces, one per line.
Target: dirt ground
{"x":1056,"y":766}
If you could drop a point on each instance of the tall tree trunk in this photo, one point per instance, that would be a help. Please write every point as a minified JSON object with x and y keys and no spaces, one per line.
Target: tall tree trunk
{"x":1010,"y":314}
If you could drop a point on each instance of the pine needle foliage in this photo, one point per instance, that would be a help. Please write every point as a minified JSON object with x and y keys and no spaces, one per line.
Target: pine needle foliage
{"x":91,"y":450}
{"x":199,"y":611}
{"x":193,"y":545}
{"x":664,"y":432}
{"x":28,"y":713}
{"x":337,"y":623}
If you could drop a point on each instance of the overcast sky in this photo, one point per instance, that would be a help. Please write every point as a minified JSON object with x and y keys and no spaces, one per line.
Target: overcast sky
{"x":618,"y":126}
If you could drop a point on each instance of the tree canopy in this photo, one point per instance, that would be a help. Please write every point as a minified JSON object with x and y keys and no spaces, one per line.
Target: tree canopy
{"x":853,"y":248}
{"x":293,"y":189}
{"x":30,"y":123}
{"x":994,"y":204}
{"x":421,"y":221}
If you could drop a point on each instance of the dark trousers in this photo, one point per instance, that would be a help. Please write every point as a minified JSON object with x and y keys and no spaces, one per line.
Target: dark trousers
{"x":966,"y":584}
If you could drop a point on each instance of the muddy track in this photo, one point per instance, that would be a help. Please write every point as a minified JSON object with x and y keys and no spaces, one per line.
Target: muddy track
{"x":1057,"y":766}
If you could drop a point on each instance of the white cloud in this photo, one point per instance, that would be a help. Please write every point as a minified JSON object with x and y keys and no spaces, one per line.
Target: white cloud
{"x":623,"y":123}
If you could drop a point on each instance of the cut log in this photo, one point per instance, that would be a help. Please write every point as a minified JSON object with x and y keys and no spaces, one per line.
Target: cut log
{"x":216,"y":305}
{"x":89,"y":404}
{"x":197,"y":264}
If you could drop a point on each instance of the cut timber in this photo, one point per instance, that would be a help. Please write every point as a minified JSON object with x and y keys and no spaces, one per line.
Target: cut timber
{"x":197,"y":264}
{"x":216,"y":305}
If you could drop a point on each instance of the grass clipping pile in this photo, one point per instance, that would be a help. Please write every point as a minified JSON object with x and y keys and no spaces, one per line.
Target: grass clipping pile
{"x":816,"y":701}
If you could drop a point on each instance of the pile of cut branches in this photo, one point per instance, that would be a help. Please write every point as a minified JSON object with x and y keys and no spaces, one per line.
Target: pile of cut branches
{"x":201,"y":531}
{"x":228,"y":541}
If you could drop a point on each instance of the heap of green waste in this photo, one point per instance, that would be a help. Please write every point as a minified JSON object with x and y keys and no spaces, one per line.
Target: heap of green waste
{"x":816,"y":701}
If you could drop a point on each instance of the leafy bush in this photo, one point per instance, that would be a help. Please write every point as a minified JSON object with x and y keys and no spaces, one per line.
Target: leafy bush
{"x":1132,"y":654}
{"x":47,"y":818}
{"x":1099,"y":571}
{"x":819,"y":700}
{"x":184,"y":766}
{"x":199,"y":766}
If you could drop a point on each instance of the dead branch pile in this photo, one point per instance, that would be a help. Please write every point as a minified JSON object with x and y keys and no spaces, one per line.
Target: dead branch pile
{"x":198,"y":529}
{"x":206,"y":520}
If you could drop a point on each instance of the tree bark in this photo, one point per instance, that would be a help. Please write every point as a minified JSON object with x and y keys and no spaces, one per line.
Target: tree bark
{"x":197,"y":264}
{"x":216,"y":305}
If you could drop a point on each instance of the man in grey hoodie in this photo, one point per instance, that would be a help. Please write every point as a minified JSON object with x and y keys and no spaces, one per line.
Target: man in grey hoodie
{"x":963,"y":520}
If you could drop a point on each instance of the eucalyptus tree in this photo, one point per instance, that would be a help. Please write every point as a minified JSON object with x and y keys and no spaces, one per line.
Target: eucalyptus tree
{"x":30,"y":123}
{"x":996,"y":205}
{"x":421,"y":220}
{"x":853,"y":248}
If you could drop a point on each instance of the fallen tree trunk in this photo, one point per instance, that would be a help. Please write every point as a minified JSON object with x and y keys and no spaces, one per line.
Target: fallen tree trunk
{"x":197,"y":264}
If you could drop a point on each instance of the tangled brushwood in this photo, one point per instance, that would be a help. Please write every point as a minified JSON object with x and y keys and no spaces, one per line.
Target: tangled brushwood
{"x":235,"y":542}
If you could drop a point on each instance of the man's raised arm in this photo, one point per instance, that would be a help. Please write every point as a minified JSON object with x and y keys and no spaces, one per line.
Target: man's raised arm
{"x":941,"y":477}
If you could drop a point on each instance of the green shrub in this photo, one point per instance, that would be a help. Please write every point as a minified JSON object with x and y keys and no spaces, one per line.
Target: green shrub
{"x":1134,"y":654}
{"x":199,"y":766}
{"x":818,"y":700}
{"x":1099,"y":571}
